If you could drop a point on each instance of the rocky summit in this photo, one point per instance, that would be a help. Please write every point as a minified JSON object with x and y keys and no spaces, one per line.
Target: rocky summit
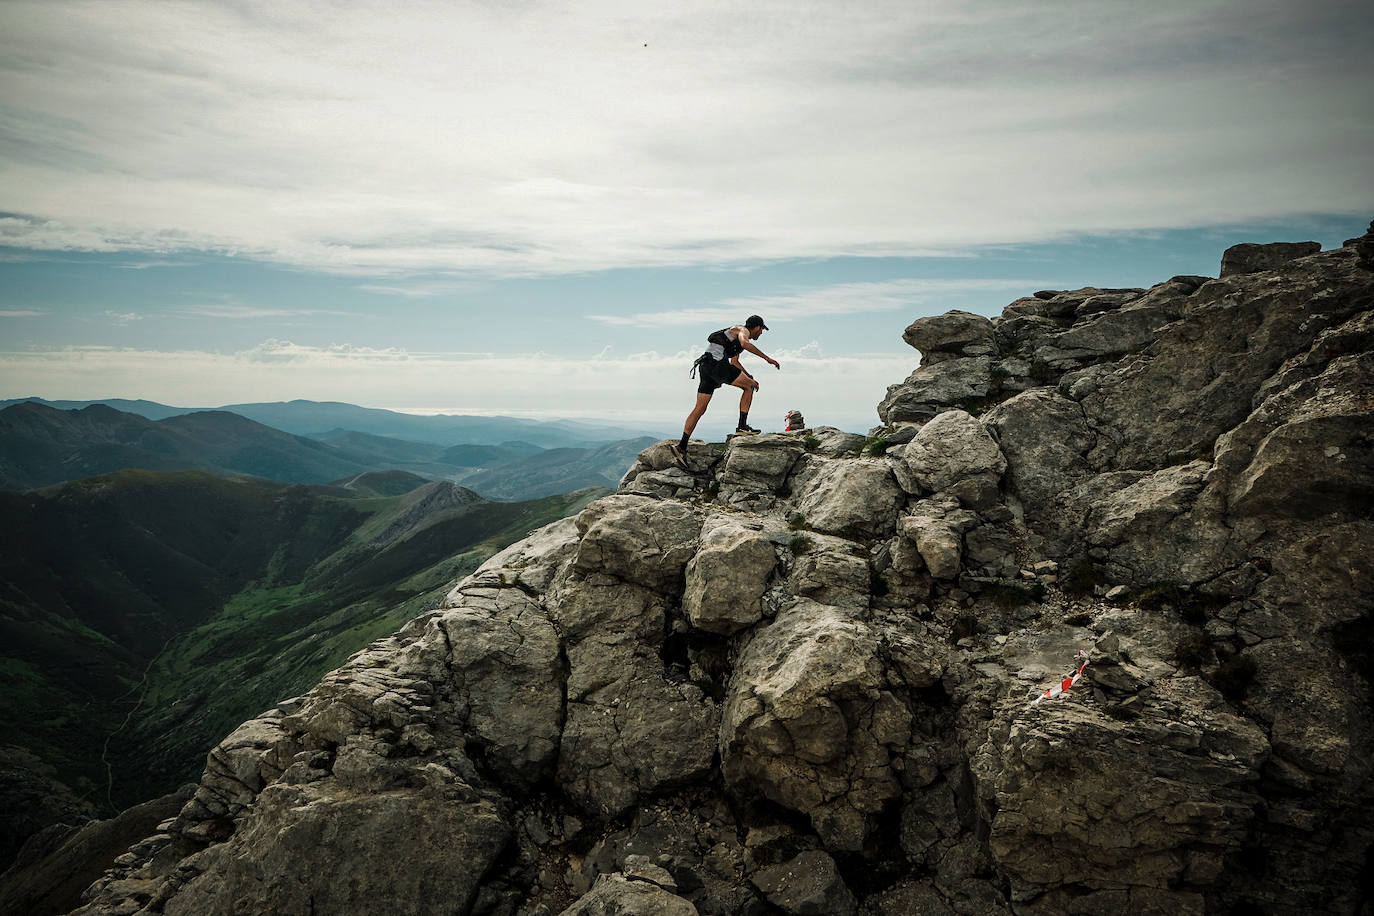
{"x":799,"y":674}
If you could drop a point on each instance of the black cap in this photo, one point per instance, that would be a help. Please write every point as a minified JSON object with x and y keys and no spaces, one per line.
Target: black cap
{"x":754,"y":321}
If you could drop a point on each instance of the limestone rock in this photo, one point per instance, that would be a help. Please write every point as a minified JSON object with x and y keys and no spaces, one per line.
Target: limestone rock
{"x":991,"y":551}
{"x":1249,"y":258}
{"x":932,"y":389}
{"x":640,"y":868}
{"x":830,"y":570}
{"x":630,"y":729}
{"x":954,"y":331}
{"x":858,"y":498}
{"x":1147,"y":503}
{"x":951,"y":447}
{"x":1045,"y":438}
{"x":1112,"y":333}
{"x":1060,"y":821}
{"x":809,"y":885}
{"x":1022,"y":333}
{"x":306,"y":849}
{"x":1316,"y":456}
{"x":618,"y":895}
{"x":939,"y":543}
{"x":1364,"y":248}
{"x":757,"y":468}
{"x":829,"y":442}
{"x":727,"y":578}
{"x":637,"y":539}
{"x":671,"y":482}
{"x":699,"y":845}
{"x":658,"y":472}
{"x":811,"y":724}
{"x":530,"y":563}
{"x":1198,"y":379}
{"x":501,"y":657}
{"x":635,"y":736}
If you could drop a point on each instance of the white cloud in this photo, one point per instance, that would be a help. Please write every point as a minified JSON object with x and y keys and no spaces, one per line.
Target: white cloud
{"x":836,"y":299}
{"x":273,"y":350}
{"x":238,"y":312}
{"x":151,"y":264}
{"x":546,"y":138}
{"x":122,"y":317}
{"x":20,"y":313}
{"x":415,"y":290}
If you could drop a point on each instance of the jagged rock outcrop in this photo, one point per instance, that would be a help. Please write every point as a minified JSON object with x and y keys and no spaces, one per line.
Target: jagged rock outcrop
{"x":793,"y":674}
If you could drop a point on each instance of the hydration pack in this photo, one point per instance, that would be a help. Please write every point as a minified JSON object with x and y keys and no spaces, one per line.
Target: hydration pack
{"x":732,"y":349}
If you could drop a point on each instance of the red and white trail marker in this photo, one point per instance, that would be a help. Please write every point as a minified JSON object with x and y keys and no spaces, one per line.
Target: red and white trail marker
{"x":1068,"y":682}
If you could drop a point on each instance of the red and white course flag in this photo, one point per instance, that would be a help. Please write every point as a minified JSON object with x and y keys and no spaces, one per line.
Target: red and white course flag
{"x":1068,"y":682}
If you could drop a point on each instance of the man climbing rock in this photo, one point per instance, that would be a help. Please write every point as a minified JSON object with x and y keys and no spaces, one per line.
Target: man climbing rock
{"x":720,"y":365}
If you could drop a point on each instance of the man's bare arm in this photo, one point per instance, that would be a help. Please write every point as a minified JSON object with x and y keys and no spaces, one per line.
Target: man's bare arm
{"x":749,"y":345}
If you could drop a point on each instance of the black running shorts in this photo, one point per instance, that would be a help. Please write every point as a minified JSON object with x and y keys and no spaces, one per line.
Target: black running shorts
{"x":715,"y":373}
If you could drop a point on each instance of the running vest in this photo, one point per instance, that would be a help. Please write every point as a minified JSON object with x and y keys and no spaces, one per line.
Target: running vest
{"x":719,"y":347}
{"x":722,"y":346}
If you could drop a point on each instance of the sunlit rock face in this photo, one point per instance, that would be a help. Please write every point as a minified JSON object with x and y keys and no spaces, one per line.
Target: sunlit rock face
{"x":797,"y":673}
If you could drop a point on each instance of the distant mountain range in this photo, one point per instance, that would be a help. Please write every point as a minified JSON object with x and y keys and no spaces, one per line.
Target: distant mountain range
{"x":42,"y":445}
{"x":316,"y":418}
{"x":186,"y":601}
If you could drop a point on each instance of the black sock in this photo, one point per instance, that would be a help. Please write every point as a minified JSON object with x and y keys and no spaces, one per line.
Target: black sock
{"x":683,"y":444}
{"x":743,"y":419}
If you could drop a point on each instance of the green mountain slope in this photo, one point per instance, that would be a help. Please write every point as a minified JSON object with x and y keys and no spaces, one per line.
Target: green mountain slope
{"x":559,"y":470}
{"x":144,"y":614}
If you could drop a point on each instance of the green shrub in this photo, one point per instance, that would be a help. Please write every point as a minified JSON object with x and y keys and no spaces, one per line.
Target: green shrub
{"x":877,"y":446}
{"x":796,"y":521}
{"x":799,"y":544}
{"x":811,"y":443}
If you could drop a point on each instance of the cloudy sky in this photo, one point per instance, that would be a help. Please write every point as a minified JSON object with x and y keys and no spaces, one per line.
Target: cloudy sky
{"x":541,"y":209}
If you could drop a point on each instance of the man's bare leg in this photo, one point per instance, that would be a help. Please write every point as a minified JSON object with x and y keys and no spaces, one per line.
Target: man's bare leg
{"x":748,"y":386}
{"x":703,"y":401}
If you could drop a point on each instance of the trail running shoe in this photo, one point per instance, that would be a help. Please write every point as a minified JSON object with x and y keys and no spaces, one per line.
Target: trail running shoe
{"x":679,"y":454}
{"x":745,"y":430}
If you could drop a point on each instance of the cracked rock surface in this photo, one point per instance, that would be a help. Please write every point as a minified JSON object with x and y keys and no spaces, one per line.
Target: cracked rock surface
{"x":797,"y":673}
